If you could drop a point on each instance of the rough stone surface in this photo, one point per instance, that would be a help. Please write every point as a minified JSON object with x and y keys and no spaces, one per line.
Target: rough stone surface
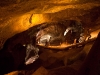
{"x":40,"y":71}
{"x":17,"y":16}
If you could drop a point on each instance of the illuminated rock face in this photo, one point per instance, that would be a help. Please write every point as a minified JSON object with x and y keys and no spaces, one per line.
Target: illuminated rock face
{"x":56,"y":33}
{"x":31,"y":54}
{"x":51,"y":33}
{"x":20,"y":17}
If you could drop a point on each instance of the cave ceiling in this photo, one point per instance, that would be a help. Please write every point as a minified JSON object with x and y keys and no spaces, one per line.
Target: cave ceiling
{"x":18,"y":15}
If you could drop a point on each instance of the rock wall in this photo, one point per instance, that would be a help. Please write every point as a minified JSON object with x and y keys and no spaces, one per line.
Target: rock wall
{"x":19,"y":17}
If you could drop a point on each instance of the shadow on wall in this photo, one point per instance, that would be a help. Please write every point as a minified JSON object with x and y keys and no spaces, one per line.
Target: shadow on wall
{"x":12,"y":56}
{"x":9,"y":2}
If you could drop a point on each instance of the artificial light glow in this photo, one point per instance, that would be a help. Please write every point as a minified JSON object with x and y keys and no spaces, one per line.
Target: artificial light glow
{"x":64,"y":45}
{"x":38,"y":19}
{"x":24,"y":22}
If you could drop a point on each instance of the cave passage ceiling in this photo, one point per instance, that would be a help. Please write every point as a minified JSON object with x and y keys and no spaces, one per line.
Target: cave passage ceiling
{"x":21,"y":15}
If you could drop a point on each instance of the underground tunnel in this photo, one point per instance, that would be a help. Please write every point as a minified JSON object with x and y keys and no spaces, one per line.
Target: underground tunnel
{"x":55,"y":37}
